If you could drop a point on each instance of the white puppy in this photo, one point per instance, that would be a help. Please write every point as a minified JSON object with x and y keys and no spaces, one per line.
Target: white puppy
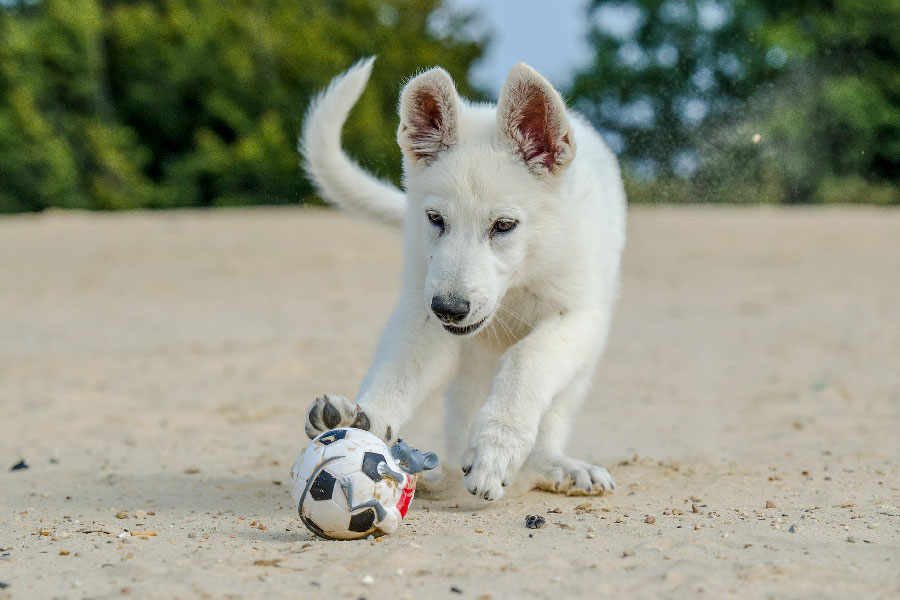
{"x":512,"y":244}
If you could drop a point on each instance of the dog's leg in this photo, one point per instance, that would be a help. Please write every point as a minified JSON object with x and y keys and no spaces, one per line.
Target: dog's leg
{"x":531,"y":373}
{"x":465,"y":396}
{"x":547,"y":465}
{"x":414,"y":359}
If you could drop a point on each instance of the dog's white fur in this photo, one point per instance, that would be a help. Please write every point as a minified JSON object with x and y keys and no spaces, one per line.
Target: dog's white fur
{"x":545,"y":288}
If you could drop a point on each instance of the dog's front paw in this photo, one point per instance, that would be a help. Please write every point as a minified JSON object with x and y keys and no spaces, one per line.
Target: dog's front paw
{"x":331,"y":411}
{"x":493,"y":458}
{"x":558,"y":473}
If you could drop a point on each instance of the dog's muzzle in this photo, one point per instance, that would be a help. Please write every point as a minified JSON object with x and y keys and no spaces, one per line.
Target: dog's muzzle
{"x":450,"y":309}
{"x":455,"y":330}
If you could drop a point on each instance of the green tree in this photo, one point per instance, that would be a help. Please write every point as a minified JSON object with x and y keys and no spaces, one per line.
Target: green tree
{"x":118,"y":104}
{"x":59,"y":143}
{"x":833,"y":120}
{"x":748,"y":100}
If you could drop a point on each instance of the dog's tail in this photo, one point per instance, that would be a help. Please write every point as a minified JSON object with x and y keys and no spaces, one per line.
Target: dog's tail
{"x":338,"y":178}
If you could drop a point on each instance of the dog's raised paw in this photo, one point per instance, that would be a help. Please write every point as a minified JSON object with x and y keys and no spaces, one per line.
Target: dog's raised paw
{"x":330,"y":411}
{"x":571,"y":476}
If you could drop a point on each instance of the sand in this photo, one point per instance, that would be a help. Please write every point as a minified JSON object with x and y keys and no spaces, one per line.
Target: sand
{"x":154,"y":369}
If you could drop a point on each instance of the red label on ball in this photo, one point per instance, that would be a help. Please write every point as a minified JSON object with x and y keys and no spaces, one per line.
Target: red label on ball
{"x":406,"y":495}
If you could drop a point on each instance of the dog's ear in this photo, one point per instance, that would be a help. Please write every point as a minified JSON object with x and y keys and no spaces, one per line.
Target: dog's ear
{"x":429,"y":116}
{"x":531,"y":119}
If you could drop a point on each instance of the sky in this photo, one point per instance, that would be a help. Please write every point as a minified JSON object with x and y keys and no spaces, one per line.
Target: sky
{"x":548,"y":35}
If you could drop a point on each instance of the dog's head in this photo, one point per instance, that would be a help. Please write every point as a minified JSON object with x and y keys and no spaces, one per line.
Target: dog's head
{"x":482,"y":183}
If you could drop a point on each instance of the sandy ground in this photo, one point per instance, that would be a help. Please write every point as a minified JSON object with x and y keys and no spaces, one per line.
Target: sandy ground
{"x":159,"y":364}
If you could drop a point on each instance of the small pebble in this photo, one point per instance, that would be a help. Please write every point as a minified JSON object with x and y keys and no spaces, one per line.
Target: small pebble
{"x":650,"y":519}
{"x":556,"y":510}
{"x":590,"y":529}
{"x":590,"y":536}
{"x":63,"y":552}
{"x":694,"y":508}
{"x":368,"y":580}
{"x":628,"y":553}
{"x":122,"y":514}
{"x":455,"y":590}
{"x":534,"y":522}
{"x":19,"y":466}
{"x":770,"y":504}
{"x":139,"y":514}
{"x":851,"y":539}
{"x":793,"y":529}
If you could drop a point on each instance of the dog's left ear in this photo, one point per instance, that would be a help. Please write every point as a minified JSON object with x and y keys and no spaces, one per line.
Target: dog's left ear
{"x":429,"y":116}
{"x":531,"y":120}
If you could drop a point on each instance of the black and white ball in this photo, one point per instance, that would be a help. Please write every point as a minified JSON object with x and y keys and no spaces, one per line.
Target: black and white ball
{"x":349,"y":455}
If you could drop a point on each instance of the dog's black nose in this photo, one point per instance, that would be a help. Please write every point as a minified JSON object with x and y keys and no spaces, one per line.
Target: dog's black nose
{"x":450,"y":309}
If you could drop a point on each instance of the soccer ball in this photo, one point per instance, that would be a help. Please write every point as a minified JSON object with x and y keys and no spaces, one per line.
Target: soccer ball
{"x":346,"y":485}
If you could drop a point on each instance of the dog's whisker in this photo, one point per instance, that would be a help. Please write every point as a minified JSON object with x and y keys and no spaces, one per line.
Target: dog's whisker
{"x":507,"y":328}
{"x":515,"y":315}
{"x":503,"y":325}
{"x":496,"y":335}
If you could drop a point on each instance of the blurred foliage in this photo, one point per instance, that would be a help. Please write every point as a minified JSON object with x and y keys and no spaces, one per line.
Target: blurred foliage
{"x":749,"y":100}
{"x":111,"y":104}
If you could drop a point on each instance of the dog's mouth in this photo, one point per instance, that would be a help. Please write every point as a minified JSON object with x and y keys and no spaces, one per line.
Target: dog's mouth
{"x":463,"y":330}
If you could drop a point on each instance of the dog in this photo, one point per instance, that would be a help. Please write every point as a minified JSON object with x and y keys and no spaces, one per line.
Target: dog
{"x":513,"y":238}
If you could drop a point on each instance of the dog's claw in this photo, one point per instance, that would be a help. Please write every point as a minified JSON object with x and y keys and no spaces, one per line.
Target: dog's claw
{"x":330,"y":415}
{"x":466,"y":470}
{"x":315,"y":417}
{"x":331,"y":411}
{"x":362,"y":421}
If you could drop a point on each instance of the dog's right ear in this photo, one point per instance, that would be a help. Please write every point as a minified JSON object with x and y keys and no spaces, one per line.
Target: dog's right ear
{"x":429,"y":116}
{"x":531,"y":119}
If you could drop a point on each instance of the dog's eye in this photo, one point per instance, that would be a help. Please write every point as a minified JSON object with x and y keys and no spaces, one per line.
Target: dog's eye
{"x":503,"y":226}
{"x":436,"y":219}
